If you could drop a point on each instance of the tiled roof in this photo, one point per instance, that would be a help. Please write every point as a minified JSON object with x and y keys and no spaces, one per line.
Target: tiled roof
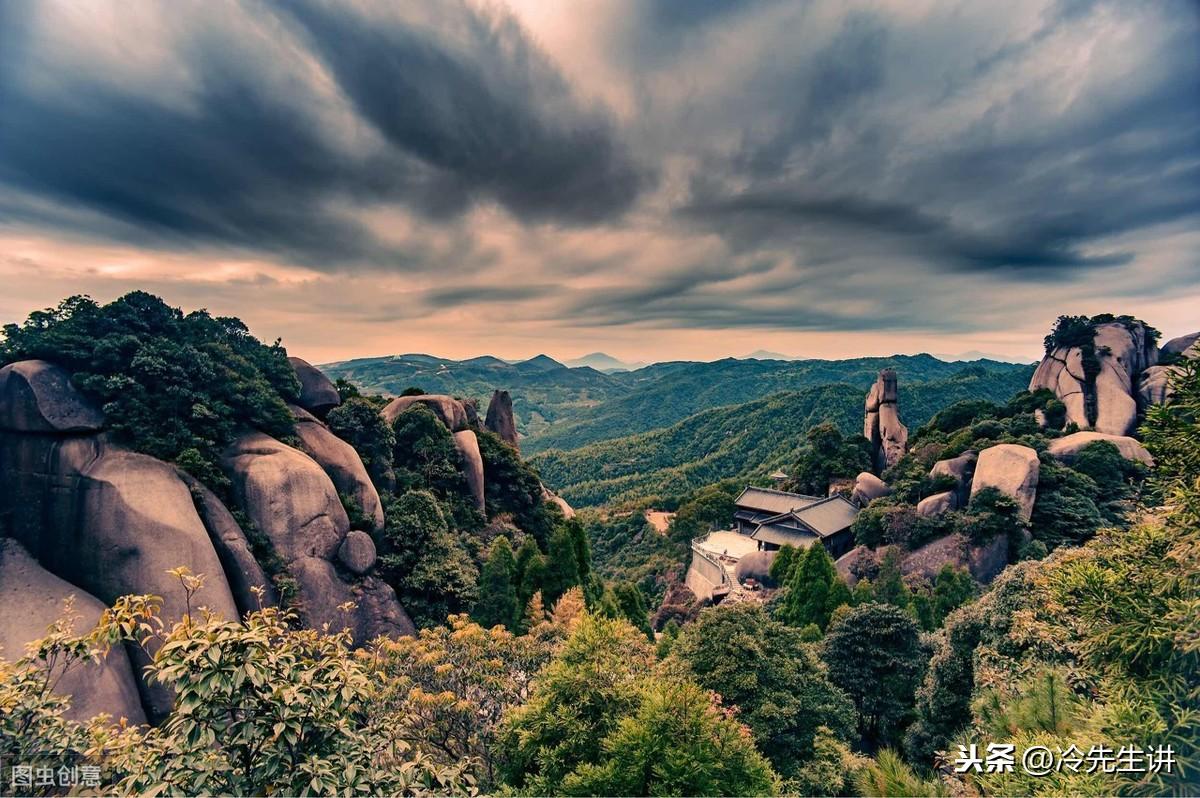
{"x":784,"y":536}
{"x":766,"y":500}
{"x":828,"y":516}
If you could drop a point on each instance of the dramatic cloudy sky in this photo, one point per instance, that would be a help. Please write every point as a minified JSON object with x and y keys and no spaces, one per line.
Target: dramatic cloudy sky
{"x":660,"y":179}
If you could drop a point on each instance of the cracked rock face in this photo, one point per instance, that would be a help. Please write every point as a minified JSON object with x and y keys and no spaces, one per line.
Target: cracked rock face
{"x":1106,"y":402}
{"x":881,"y":422}
{"x":1012,"y":470}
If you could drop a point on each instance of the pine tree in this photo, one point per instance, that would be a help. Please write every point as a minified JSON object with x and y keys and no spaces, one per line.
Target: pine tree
{"x":814,"y":591}
{"x":562,"y":566}
{"x":783,"y":564}
{"x":889,"y":585}
{"x":531,"y":566}
{"x":498,"y":604}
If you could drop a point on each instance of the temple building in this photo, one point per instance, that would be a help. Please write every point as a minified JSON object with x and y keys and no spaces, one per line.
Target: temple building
{"x":776,"y":518}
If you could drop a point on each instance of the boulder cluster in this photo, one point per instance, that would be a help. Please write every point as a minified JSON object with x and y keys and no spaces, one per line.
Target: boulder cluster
{"x":87,"y":518}
{"x":1107,"y":388}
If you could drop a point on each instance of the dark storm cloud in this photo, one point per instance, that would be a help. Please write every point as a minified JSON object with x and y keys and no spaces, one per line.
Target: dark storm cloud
{"x":490,"y":111}
{"x":472,"y":294}
{"x":252,"y":162}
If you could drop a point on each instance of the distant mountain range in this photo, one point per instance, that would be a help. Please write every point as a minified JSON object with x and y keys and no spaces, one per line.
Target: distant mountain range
{"x":975,"y":354}
{"x":563,"y":407}
{"x":603,"y":362}
{"x":744,"y":441}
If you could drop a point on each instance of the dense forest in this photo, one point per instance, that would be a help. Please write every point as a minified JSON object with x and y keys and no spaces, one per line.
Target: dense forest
{"x":743,"y":442}
{"x":552,"y":656}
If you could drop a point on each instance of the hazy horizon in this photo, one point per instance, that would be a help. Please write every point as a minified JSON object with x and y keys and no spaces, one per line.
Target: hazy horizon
{"x":656,"y":180}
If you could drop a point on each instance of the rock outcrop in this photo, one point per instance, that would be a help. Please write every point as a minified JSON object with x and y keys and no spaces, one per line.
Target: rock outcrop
{"x":757,"y":566}
{"x":1099,"y":386}
{"x":31,"y":599}
{"x":293,"y":502}
{"x":881,"y":425}
{"x":867,"y":488}
{"x":317,"y":393}
{"x":1068,"y":448}
{"x":449,"y":410}
{"x":960,"y":469}
{"x":1012,"y":470}
{"x":472,"y":465}
{"x":937,"y":504}
{"x":242,"y":571}
{"x":567,"y":510}
{"x":36,"y":396}
{"x":500,"y":418}
{"x":357,"y":551}
{"x":343,"y":465}
{"x":1154,"y":387}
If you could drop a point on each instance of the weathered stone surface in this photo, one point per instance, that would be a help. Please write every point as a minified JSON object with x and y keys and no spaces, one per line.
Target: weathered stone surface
{"x":36,"y":396}
{"x":881,"y":425}
{"x":757,"y":566}
{"x":983,"y":562}
{"x":1010,"y":469}
{"x":1068,"y":448}
{"x":468,"y":446}
{"x":137,"y":521}
{"x":960,"y":469}
{"x":1185,"y":345}
{"x":1154,"y":388}
{"x":322,"y":594}
{"x":288,"y":497}
{"x":31,"y":599}
{"x":294,"y":503}
{"x":343,"y":465}
{"x":500,"y":418}
{"x":317,"y":392}
{"x":471,"y":406}
{"x":867,"y":488}
{"x":1123,"y":354}
{"x":357,"y":551}
{"x":242,"y":570}
{"x":937,"y":504}
{"x":449,"y":410}
{"x":567,"y":510}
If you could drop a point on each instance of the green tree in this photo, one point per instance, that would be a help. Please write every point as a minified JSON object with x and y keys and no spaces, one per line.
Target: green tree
{"x":784,"y":564}
{"x":530,"y":570}
{"x":562,"y":566}
{"x":357,"y":421}
{"x":874,"y":654}
{"x":177,"y":387}
{"x":829,"y":455}
{"x":579,"y":700}
{"x":776,"y":680}
{"x":952,"y":588}
{"x":889,"y":587}
{"x":814,"y":591}
{"x":512,"y":486}
{"x":498,"y":603}
{"x":679,"y":741}
{"x":424,"y":455}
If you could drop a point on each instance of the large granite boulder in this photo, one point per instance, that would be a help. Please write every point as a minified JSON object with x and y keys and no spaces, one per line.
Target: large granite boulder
{"x":881,"y":422}
{"x":357,"y":551}
{"x":1154,"y":385}
{"x":757,"y":566}
{"x":1186,"y":345}
{"x":36,"y":396}
{"x":242,"y":570}
{"x":937,"y":504}
{"x":318,"y":394}
{"x":343,"y":465}
{"x":449,"y":410}
{"x":31,"y":599}
{"x":472,"y":465}
{"x":293,"y":502}
{"x":867,"y":488}
{"x":1012,"y":470}
{"x":960,"y":469}
{"x":1123,"y":353}
{"x":500,"y":418}
{"x":1068,"y":448}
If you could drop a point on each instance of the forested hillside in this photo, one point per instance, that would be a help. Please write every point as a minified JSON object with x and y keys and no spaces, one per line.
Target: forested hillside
{"x":556,"y":407}
{"x":749,"y":440}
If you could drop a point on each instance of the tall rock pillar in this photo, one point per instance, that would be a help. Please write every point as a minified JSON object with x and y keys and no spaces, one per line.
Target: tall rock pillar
{"x":881,"y":424}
